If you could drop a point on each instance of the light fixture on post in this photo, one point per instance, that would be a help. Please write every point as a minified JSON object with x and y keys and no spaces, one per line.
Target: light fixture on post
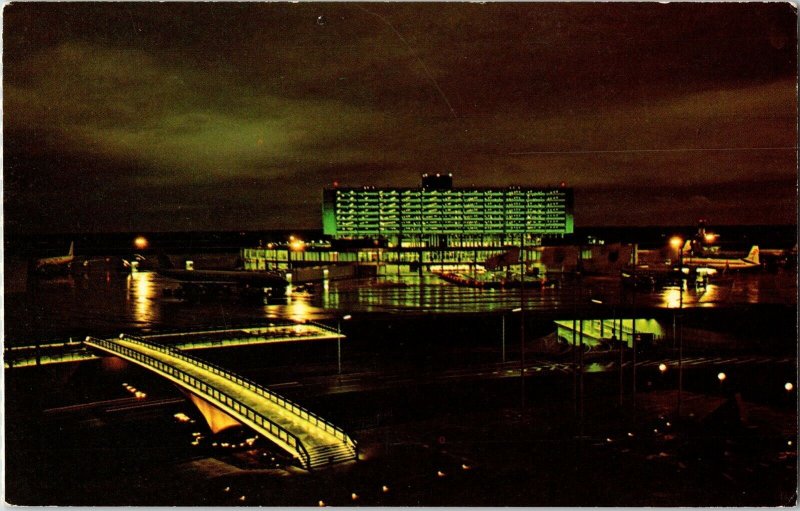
{"x":339,"y":341}
{"x":677,"y":243}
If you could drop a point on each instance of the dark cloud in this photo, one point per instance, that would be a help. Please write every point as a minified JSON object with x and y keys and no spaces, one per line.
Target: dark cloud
{"x":149,"y":116}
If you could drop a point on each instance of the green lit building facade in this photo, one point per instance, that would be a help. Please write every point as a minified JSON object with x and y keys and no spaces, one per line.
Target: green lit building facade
{"x":440,"y":216}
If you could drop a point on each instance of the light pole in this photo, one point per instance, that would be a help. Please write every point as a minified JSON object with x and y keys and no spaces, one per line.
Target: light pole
{"x":522,"y":317}
{"x":597,"y":301}
{"x":677,"y":242}
{"x":518,"y":309}
{"x":339,"y":341}
{"x":503,"y":339}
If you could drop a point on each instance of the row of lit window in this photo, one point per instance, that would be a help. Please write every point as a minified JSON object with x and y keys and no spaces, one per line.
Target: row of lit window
{"x":452,"y":200}
{"x":457,"y":192}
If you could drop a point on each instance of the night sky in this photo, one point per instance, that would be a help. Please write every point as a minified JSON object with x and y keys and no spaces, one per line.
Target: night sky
{"x":215,"y":116}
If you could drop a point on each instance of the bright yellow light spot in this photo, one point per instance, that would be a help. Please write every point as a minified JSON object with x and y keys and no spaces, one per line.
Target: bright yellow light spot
{"x":242,"y":498}
{"x":353,"y":496}
{"x":385,"y":489}
{"x":722,"y":376}
{"x":440,"y":473}
{"x":140,"y":242}
{"x":672,"y":298}
{"x":710,"y":237}
{"x":630,"y":434}
{"x":676,"y":242}
{"x":297,"y":245}
{"x":789,"y":387}
{"x":321,"y":503}
{"x":227,"y":489}
{"x":464,"y":466}
{"x":662,"y":367}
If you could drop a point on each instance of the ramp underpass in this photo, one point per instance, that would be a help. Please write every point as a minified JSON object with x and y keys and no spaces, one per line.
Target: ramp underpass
{"x":314,"y":441}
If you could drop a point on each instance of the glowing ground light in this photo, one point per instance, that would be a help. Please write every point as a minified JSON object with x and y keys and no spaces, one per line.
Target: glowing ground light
{"x":789,"y":387}
{"x":140,"y":242}
{"x":353,"y":496}
{"x":321,"y":503}
{"x":662,"y":367}
{"x":721,"y":376}
{"x":440,"y":473}
{"x":242,"y":498}
{"x":464,"y":466}
{"x":385,"y":489}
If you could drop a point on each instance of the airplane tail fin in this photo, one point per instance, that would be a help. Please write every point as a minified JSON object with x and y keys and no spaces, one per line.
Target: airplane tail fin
{"x":71,"y":248}
{"x":164,"y":262}
{"x":753,"y":255}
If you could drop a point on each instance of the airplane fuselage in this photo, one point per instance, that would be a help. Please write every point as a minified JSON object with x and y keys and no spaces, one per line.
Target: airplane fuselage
{"x":752,"y":261}
{"x":255,"y":279}
{"x":56,"y":264}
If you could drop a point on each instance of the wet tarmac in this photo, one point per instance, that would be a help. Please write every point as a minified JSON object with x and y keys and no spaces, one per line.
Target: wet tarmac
{"x":424,"y":390}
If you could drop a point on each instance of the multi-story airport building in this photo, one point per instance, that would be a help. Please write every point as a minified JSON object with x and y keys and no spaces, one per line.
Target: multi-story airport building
{"x":438,"y":215}
{"x":434,"y":225}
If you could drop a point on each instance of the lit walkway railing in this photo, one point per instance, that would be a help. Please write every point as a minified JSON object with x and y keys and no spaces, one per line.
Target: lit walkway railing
{"x":204,"y":388}
{"x":250,"y":385}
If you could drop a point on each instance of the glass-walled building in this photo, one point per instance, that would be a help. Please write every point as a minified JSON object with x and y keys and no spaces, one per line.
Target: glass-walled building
{"x":437,"y":215}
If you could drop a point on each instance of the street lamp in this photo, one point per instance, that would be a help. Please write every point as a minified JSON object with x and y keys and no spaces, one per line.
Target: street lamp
{"x":503,"y":345}
{"x":522,"y":269}
{"x":141,"y":242}
{"x":614,"y":339}
{"x":339,"y":341}
{"x":677,"y":243}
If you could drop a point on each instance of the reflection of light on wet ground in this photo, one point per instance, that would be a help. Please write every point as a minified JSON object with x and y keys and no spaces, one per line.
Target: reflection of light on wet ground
{"x":296,"y":309}
{"x":143,"y":291}
{"x":92,"y":303}
{"x":672,"y":298}
{"x":710,"y":295}
{"x":429,"y":293}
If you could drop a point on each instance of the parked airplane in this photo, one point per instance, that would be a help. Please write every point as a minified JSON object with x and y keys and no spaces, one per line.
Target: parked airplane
{"x":724,"y":264}
{"x":57,"y":264}
{"x":199,"y":281}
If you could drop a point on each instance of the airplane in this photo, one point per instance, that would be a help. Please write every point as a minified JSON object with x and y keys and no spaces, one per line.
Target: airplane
{"x":752,"y":261}
{"x":57,"y":264}
{"x":198,"y":281}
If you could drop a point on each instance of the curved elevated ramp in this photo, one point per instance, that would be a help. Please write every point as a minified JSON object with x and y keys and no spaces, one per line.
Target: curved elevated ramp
{"x":313,"y":440}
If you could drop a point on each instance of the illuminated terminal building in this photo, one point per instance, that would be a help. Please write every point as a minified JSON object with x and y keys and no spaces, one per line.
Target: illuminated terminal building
{"x":433,"y":226}
{"x":438,"y":215}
